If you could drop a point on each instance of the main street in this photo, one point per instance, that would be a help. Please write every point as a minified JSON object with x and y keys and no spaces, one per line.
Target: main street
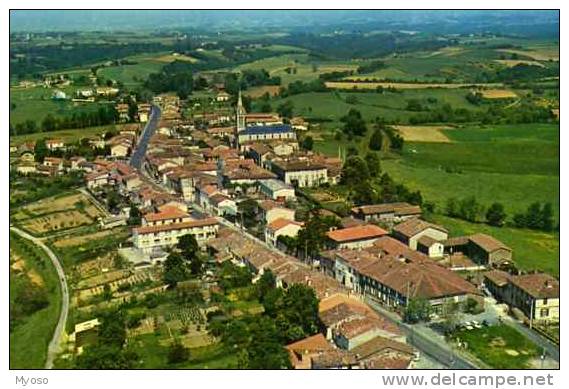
{"x":137,"y":157}
{"x":434,"y":348}
{"x":57,"y":338}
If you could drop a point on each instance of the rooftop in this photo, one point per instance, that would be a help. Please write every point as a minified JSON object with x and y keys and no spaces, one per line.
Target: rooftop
{"x":275,"y":184}
{"x":279,"y":223}
{"x":367,"y":231}
{"x":499,"y":277}
{"x":273,"y":129}
{"x":539,"y":285}
{"x":166,"y":213}
{"x":488,"y":243}
{"x":400,"y":208}
{"x":412,"y":227}
{"x":176,"y":226}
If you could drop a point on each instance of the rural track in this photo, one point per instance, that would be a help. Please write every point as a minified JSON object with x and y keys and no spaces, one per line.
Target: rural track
{"x":56,"y":340}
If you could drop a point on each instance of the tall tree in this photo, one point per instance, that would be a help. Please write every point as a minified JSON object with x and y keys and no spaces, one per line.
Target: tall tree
{"x":354,"y":171}
{"x":175,"y":269}
{"x":495,"y":215}
{"x":376,"y":140}
{"x":40,"y":150}
{"x":373,"y":164}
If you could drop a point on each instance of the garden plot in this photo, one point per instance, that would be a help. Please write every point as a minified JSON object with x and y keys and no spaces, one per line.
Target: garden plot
{"x":57,"y":213}
{"x":80,"y":239}
{"x":57,"y":222}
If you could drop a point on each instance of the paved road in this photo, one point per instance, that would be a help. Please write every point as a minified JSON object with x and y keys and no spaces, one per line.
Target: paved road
{"x":56,"y":340}
{"x":138,"y":155}
{"x":433,"y":347}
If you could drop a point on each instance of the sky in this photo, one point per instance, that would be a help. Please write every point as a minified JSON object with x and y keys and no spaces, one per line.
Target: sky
{"x":115,"y":20}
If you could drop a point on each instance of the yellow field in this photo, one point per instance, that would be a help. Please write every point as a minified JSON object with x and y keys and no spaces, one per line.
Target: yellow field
{"x":446,"y":52}
{"x":399,"y":85}
{"x":171,"y":58}
{"x":498,"y":94}
{"x":541,"y":54}
{"x":80,"y":239}
{"x":431,"y":134}
{"x":513,"y":62}
{"x":19,"y":264}
{"x":55,"y":205}
{"x":259,"y":91}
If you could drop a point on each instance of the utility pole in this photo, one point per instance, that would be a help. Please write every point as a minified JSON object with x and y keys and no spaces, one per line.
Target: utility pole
{"x":531,"y":314}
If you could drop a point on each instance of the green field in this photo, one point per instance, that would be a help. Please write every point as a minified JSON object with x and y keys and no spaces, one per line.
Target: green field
{"x":533,"y":250}
{"x":501,"y":346}
{"x":35,"y":103}
{"x":134,"y":75}
{"x":29,"y":340}
{"x":331,"y":106}
{"x":512,"y":164}
{"x":305,"y":69}
{"x":65,"y":135}
{"x":155,"y":356}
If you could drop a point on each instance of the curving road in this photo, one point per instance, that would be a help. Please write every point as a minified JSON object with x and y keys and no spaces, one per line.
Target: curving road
{"x":56,"y":340}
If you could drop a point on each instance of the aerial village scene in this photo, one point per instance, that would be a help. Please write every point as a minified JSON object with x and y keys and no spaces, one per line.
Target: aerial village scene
{"x":216,"y":198}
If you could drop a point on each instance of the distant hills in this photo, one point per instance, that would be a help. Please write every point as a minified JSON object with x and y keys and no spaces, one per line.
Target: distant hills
{"x":523,"y":22}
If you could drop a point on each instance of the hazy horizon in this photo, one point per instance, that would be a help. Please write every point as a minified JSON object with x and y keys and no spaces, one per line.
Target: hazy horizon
{"x":451,"y":21}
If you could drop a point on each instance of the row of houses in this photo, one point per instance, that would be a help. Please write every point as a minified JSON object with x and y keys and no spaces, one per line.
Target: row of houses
{"x":536,"y":295}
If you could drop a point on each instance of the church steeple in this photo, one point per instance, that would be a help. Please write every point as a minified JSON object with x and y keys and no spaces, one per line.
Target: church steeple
{"x":240,"y":113}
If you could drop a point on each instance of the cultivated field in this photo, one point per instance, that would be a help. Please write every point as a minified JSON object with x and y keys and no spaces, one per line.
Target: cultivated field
{"x":498,"y":94}
{"x":541,"y":54}
{"x":514,"y":62}
{"x":57,"y":213}
{"x":76,"y":240}
{"x":400,"y":85}
{"x":175,"y":57}
{"x":259,"y":91}
{"x":424,"y":133}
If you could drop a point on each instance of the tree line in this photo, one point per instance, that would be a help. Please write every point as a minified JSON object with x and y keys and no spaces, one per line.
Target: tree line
{"x":103,"y":116}
{"x":538,"y":216}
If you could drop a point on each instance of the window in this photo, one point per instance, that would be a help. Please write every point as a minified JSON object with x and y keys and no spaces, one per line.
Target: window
{"x":545,"y":301}
{"x":544,"y":312}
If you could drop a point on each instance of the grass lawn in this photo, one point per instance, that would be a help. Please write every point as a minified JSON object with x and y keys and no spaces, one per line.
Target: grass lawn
{"x":501,"y":347}
{"x":29,"y":340}
{"x":532,"y":250}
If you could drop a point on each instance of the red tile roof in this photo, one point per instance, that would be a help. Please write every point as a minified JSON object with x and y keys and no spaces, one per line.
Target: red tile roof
{"x":538,"y":285}
{"x":279,"y":223}
{"x":367,"y":231}
{"x":166,"y":213}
